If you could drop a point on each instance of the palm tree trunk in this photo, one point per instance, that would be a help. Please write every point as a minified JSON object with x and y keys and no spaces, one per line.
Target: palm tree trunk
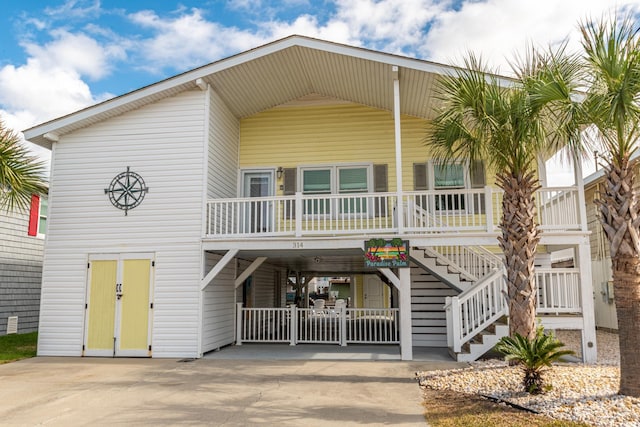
{"x":519,"y":243}
{"x":620,"y":218}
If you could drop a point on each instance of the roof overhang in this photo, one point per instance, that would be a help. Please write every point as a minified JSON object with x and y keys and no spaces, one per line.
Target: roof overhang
{"x":274,"y":74}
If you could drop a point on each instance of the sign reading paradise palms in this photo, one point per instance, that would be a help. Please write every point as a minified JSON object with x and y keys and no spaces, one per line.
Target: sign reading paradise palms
{"x":126,"y":190}
{"x":386,"y":253}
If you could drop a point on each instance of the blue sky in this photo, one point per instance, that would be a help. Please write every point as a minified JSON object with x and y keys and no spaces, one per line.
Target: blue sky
{"x":64,"y":55}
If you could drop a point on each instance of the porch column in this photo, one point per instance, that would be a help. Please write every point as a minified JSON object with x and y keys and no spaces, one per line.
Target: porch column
{"x":542,"y":171}
{"x":406,"y":339}
{"x":589,"y":345}
{"x":402,"y":282}
{"x":398,"y":143}
{"x":579,"y":182}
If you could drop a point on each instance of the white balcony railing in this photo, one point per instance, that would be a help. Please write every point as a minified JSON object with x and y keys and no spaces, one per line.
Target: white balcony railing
{"x":425,"y":212}
{"x":558,"y":290}
{"x":295,"y":325}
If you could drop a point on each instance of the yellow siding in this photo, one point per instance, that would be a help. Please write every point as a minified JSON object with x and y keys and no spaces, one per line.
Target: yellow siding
{"x":359,"y":281}
{"x":326,"y":135}
{"x":332,"y":134}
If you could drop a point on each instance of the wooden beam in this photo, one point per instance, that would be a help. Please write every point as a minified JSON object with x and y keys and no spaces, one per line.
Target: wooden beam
{"x":395,"y":280}
{"x":217,"y":268}
{"x":249,"y":270}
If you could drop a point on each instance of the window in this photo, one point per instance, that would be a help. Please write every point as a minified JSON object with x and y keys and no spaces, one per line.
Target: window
{"x":350,"y":181}
{"x":42,"y":218}
{"x":449,"y":177}
{"x":316,"y":181}
{"x":335,"y":180}
{"x":38,"y":216}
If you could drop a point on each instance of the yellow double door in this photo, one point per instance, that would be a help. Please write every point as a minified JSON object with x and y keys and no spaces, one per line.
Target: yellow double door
{"x":118,"y":310}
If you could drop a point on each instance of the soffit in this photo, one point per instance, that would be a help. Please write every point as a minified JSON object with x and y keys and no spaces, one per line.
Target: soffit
{"x":295,"y":72}
{"x":278,"y":73}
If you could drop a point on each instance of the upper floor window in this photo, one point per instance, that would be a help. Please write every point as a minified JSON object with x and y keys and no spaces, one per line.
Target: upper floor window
{"x":38,"y":216}
{"x":351,"y":179}
{"x":449,"y":177}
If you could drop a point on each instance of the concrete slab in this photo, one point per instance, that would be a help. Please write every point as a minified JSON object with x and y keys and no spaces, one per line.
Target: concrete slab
{"x":56,"y":391}
{"x":261,"y":351}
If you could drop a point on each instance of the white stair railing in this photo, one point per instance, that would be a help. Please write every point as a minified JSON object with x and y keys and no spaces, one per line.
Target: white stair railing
{"x":474,"y":262}
{"x":475,"y":309}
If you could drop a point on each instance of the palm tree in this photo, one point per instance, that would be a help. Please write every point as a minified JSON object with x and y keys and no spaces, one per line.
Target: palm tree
{"x":612,"y":59}
{"x":534,"y":356}
{"x":21,"y":174}
{"x":509,"y":124}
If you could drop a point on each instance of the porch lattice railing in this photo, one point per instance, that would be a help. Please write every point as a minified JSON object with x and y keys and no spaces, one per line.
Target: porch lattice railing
{"x":296,"y":325}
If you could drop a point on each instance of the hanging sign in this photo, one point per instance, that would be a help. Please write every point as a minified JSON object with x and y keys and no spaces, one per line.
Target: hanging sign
{"x":382,"y":253}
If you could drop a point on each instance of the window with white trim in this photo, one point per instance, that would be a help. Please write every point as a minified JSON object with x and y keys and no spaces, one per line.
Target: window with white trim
{"x":38,"y":216}
{"x":344,"y":179}
{"x":450,"y":176}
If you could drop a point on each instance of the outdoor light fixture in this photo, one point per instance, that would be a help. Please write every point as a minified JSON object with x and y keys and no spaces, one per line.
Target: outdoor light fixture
{"x":279,"y":172}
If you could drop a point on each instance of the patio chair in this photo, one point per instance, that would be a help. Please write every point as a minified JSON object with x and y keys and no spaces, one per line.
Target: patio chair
{"x":339,"y":306}
{"x":318,"y":307}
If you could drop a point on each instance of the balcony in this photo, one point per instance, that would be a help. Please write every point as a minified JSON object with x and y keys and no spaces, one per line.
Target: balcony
{"x":408,"y":213}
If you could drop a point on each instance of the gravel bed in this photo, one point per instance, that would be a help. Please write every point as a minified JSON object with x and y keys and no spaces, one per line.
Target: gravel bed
{"x":584,"y":393}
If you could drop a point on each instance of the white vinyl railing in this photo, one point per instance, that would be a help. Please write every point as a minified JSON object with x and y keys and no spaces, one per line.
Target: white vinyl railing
{"x":558,"y":290}
{"x":475,"y":309}
{"x":446,"y":210}
{"x":474,"y":262}
{"x":327,"y":326}
{"x":558,"y":208}
{"x":425,"y":212}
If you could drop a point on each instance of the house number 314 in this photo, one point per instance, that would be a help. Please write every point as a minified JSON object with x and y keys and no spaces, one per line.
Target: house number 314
{"x":298,"y":245}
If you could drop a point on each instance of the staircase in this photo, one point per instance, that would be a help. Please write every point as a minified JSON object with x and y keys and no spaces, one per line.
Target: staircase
{"x":475,"y":319}
{"x":442,"y":268}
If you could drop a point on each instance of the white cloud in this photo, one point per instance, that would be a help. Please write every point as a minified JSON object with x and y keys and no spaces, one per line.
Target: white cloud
{"x":76,"y":52}
{"x":497,"y":29}
{"x":188,"y":40}
{"x":51,"y":83}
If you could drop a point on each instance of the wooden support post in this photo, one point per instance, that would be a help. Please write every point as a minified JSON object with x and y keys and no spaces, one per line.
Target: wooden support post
{"x":406,"y":339}
{"x":239,"y":323}
{"x":589,"y":347}
{"x":293,"y":326}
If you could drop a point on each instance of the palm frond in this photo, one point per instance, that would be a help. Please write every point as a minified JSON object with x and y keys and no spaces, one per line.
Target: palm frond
{"x":21,"y":174}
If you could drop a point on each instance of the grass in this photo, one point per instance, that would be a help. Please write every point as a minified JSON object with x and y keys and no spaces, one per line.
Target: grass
{"x":450,"y":409}
{"x":17,"y":346}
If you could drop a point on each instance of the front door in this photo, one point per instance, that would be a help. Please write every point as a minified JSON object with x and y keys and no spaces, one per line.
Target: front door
{"x":373,"y":292}
{"x":118,"y":308}
{"x":258,"y":216}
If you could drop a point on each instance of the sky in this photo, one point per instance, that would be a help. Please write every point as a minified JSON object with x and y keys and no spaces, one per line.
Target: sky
{"x":57,"y":57}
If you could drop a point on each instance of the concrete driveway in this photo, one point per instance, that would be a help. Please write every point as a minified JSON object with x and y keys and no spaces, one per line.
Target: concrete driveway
{"x":55,"y":391}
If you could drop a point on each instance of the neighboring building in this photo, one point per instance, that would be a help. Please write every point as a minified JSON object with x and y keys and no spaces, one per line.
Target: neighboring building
{"x":21,"y":247}
{"x":605,"y":308}
{"x":266,"y":169}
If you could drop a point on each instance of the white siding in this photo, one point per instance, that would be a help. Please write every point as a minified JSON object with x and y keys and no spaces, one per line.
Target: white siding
{"x":218,"y":314}
{"x":263,"y":285}
{"x":224,"y":136}
{"x":164,"y":143}
{"x":429,"y":325}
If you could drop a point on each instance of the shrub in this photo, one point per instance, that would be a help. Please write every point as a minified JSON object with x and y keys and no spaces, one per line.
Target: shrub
{"x":534,"y":356}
